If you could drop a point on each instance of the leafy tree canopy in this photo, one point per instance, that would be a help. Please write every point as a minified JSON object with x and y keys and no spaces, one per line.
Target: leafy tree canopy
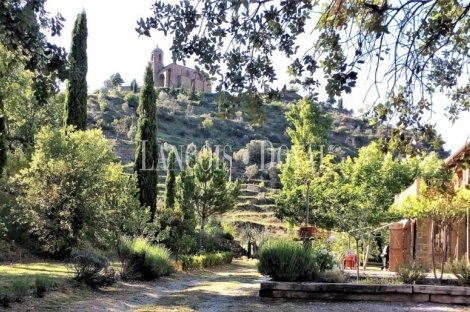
{"x":416,"y":48}
{"x":74,"y":193}
{"x":21,"y":29}
{"x":116,"y":80}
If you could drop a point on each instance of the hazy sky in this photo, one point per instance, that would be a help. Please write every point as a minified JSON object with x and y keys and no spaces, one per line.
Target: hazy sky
{"x":114,"y":46}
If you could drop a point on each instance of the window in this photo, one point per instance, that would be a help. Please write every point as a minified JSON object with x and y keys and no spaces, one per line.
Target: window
{"x":160,"y":57}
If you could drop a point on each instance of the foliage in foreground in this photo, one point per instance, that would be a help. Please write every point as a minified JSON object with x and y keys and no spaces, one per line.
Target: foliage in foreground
{"x":73,"y":192}
{"x":461,"y":271}
{"x":92,"y":269}
{"x":287,"y":260}
{"x":410,"y":273}
{"x":143,"y":261}
{"x":206,"y":260}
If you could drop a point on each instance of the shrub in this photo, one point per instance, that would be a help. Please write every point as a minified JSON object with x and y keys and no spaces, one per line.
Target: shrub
{"x":131,"y":99}
{"x":331,"y":276}
{"x":286,"y":260}
{"x":104,"y":105}
{"x":379,"y":281}
{"x":341,"y":129}
{"x":19,"y":288}
{"x":228,"y":236}
{"x":92,"y":269}
{"x":206,"y":260}
{"x":461,"y":272}
{"x":410,"y":273}
{"x":42,"y":283}
{"x":262,"y":187}
{"x":207,"y":123}
{"x":140,"y":260}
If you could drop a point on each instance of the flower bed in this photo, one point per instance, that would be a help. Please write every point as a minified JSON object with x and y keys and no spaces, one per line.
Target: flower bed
{"x":355,"y":292}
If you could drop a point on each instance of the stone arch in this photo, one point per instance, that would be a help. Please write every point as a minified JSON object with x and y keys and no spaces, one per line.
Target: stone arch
{"x":161,"y":80}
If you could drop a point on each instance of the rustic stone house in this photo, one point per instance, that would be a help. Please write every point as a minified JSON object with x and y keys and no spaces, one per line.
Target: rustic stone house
{"x":411,"y":239}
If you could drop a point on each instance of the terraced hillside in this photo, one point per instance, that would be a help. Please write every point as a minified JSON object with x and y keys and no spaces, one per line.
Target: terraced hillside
{"x":182,"y":121}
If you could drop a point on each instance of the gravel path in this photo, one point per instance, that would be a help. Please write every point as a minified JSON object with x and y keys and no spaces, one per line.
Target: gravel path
{"x":226,"y":288}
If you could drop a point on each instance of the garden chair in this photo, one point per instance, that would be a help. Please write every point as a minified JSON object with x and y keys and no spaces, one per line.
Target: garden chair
{"x":349,"y":260}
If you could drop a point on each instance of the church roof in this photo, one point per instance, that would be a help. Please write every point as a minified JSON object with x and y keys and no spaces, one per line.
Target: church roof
{"x":157,"y":49}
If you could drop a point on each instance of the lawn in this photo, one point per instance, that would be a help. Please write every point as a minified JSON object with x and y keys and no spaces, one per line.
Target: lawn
{"x":57,"y":272}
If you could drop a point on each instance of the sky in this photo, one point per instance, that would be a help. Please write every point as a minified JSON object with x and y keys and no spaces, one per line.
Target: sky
{"x":114,"y":46}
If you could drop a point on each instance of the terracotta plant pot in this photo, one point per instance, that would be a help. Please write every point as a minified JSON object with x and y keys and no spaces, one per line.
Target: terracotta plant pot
{"x":306,"y":231}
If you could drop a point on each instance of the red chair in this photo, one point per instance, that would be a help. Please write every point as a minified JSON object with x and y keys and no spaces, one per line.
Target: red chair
{"x":350,"y":261}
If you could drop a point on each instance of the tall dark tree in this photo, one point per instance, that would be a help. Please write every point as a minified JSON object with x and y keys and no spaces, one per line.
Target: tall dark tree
{"x":170,"y":190}
{"x":75,"y":112}
{"x":134,"y":86}
{"x":146,"y":154}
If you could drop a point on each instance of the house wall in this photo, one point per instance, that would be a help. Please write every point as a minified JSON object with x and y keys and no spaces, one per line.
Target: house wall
{"x":177,"y":76}
{"x":456,"y":243}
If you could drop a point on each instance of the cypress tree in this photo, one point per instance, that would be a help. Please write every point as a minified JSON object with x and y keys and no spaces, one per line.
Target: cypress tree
{"x":146,"y":154}
{"x":170,"y":181}
{"x":75,"y":112}
{"x":3,"y":137}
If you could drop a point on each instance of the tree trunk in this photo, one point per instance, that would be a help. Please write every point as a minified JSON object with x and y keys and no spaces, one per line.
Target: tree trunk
{"x":433,"y":247}
{"x":366,"y":257}
{"x":201,"y":233}
{"x":358,"y":261}
{"x":444,"y":252}
{"x":307,"y":210}
{"x":249,"y":249}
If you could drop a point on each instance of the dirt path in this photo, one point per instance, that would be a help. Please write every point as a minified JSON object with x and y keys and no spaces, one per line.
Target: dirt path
{"x":226,"y":288}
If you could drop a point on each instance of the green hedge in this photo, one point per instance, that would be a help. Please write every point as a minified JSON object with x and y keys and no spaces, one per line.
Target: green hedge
{"x":206,"y":260}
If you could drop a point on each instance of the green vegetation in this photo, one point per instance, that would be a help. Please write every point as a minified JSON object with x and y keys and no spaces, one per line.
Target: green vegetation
{"x":146,"y":152}
{"x":73,"y":194}
{"x":212,"y":192}
{"x":141,"y":260}
{"x":75,"y":112}
{"x":92,"y":269}
{"x":170,"y":186}
{"x":461,"y":270}
{"x":206,"y":260}
{"x":410,"y":273}
{"x":340,"y":58}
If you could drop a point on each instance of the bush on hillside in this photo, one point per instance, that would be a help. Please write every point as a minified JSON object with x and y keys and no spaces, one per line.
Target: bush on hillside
{"x":206,"y":260}
{"x":143,"y":261}
{"x":207,"y":123}
{"x":132,"y":100}
{"x":92,"y":269}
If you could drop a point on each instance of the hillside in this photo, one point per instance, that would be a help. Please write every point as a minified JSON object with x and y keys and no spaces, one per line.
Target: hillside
{"x":182,"y":122}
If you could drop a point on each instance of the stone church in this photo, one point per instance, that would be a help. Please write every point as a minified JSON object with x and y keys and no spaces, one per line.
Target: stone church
{"x":177,"y":76}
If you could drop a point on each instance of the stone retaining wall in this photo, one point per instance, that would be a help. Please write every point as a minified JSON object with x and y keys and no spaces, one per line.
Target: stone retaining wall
{"x":355,"y":292}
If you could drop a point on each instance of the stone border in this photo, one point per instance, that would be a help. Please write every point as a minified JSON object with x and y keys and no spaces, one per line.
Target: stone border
{"x":355,"y":292}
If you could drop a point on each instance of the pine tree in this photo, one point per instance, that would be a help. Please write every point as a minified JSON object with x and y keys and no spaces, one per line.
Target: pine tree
{"x":146,"y":154}
{"x":170,"y":182}
{"x":75,"y":112}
